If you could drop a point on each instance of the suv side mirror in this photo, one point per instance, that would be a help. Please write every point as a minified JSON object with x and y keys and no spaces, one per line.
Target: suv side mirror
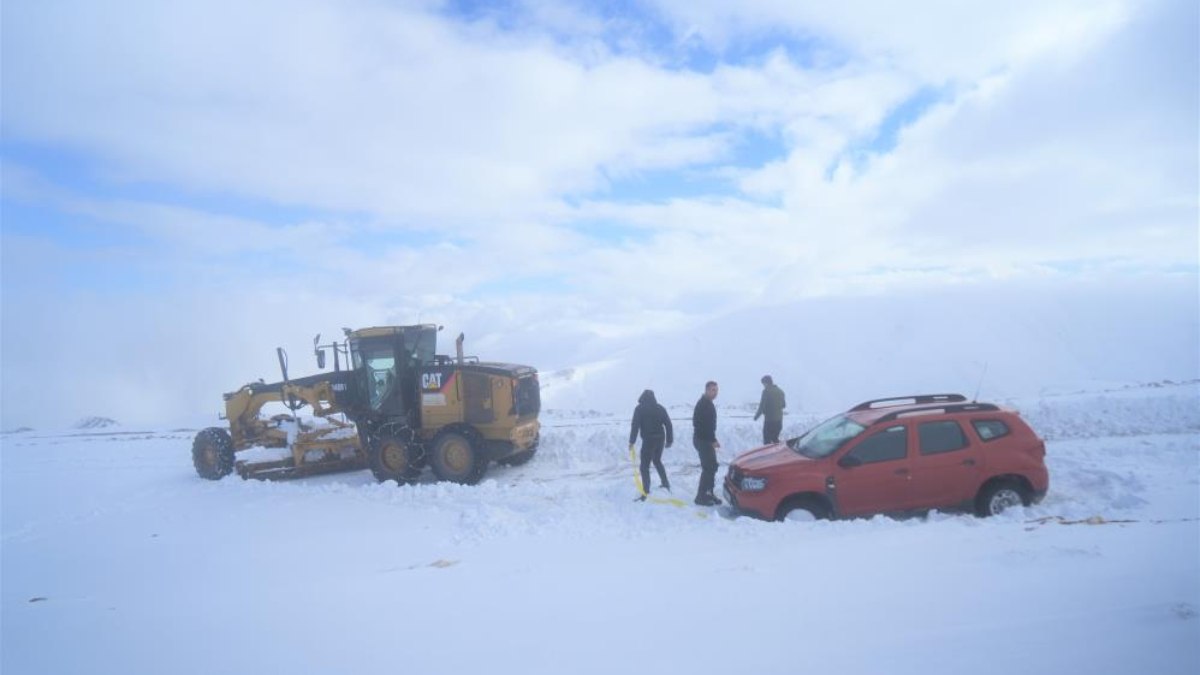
{"x":849,"y":462}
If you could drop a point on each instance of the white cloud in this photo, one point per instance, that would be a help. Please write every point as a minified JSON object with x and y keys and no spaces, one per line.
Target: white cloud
{"x":349,"y":107}
{"x":936,"y":40}
{"x":450,"y":172}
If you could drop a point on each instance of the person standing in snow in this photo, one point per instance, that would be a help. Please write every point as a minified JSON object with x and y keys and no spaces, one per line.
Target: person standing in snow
{"x":651,"y":420}
{"x":770,"y":408}
{"x":704,"y":437}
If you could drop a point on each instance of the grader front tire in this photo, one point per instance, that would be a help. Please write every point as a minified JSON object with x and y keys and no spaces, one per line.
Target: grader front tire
{"x":212,"y":453}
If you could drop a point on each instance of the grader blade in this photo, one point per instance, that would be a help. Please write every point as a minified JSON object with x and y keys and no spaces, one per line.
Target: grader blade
{"x":314,"y":451}
{"x":285,"y":469}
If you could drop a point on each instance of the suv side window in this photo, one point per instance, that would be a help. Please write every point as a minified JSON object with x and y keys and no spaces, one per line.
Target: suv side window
{"x":941,"y":436}
{"x":889,"y":444}
{"x":990,"y":430}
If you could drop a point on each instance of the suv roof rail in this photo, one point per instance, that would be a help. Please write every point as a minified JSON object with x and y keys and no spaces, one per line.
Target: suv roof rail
{"x":963,"y":407}
{"x":909,"y":400}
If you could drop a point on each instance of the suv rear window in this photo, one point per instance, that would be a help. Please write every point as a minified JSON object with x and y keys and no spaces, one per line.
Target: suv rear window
{"x":990,"y":430}
{"x":941,"y":436}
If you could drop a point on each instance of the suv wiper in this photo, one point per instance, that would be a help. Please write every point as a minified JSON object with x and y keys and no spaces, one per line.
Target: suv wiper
{"x":796,"y":446}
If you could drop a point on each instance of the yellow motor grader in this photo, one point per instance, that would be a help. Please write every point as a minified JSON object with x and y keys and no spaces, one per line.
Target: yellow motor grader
{"x":404,"y":406}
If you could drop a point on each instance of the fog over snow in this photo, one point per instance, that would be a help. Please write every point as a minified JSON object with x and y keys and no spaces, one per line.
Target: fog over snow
{"x":188,"y":186}
{"x":861,"y":199}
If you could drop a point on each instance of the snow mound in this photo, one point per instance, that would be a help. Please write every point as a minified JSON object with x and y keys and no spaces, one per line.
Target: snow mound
{"x":1155,"y":409}
{"x":95,"y":423}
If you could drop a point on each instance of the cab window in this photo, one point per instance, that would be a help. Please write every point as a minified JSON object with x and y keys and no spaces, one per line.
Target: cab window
{"x":886,"y":445}
{"x":420,"y":345}
{"x":941,"y":436}
{"x":381,"y":376}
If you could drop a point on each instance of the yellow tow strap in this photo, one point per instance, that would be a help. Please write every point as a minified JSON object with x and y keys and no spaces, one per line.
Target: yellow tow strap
{"x":637,"y":480}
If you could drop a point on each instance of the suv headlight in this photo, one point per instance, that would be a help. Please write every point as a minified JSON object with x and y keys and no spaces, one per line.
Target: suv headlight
{"x":754,"y":483}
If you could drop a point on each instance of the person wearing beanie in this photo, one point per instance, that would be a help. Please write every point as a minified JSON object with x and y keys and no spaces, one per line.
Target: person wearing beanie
{"x":650,"y":419}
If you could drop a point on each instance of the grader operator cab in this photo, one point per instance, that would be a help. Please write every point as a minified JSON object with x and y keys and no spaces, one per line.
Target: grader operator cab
{"x":405,"y":406}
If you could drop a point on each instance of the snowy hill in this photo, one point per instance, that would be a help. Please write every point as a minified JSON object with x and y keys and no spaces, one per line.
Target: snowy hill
{"x":830,"y":353}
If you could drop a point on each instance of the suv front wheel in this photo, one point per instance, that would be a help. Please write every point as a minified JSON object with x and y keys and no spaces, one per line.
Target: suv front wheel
{"x":804,"y":508}
{"x":997,"y":497}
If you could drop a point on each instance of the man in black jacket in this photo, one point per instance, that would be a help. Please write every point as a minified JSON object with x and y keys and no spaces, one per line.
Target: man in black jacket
{"x":770,"y":408}
{"x":704,"y":437}
{"x":652,"y":421}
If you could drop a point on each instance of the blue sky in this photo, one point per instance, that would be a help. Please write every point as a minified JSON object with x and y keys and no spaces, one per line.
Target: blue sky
{"x":94,"y":173}
{"x":595,"y":170}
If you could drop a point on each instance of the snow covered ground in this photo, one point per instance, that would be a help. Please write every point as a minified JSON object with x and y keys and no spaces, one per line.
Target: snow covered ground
{"x":117,"y":558}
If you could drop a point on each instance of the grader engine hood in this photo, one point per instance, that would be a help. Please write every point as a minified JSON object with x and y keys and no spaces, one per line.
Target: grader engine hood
{"x":481,"y":392}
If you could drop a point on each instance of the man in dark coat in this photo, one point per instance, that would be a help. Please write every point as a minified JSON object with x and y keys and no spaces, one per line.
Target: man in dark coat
{"x":651,"y":420}
{"x":770,"y":408}
{"x":704,"y":437}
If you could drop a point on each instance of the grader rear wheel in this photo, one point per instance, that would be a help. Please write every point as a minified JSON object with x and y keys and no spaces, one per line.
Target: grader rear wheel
{"x":391,"y":458}
{"x":455,"y":458}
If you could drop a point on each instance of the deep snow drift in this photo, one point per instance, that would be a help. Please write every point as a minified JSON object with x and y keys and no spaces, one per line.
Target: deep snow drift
{"x":117,"y":558}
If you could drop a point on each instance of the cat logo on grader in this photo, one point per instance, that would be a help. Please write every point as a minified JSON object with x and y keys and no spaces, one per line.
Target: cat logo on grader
{"x":407,"y":407}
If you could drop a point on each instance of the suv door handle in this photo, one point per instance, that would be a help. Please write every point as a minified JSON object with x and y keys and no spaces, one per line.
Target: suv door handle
{"x":968,"y":462}
{"x":901,"y":472}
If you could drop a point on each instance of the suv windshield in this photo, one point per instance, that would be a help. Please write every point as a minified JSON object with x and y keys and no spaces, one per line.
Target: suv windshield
{"x":823,"y":439}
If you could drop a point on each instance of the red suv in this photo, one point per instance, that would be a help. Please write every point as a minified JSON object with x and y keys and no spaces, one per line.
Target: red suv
{"x":895,"y":455}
